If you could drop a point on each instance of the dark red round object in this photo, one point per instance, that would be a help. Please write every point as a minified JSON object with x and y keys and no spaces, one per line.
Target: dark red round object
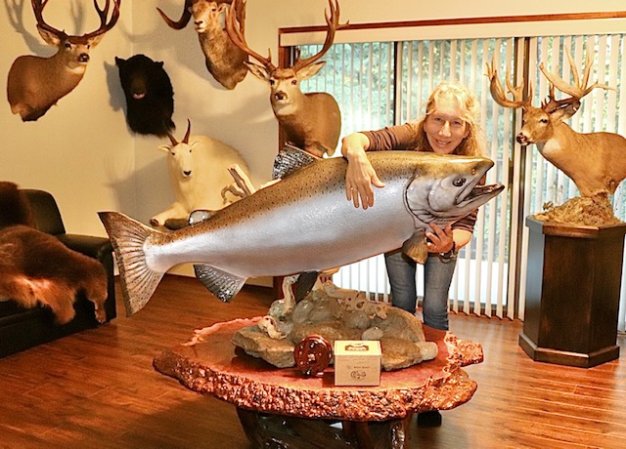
{"x":312,"y":355}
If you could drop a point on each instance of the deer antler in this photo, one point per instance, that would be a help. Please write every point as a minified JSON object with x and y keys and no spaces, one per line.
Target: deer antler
{"x":38,"y":6}
{"x":184,"y":18}
{"x":332,"y":20}
{"x":235,"y":32}
{"x":103,"y":14}
{"x":576,"y":91}
{"x":497,"y":91}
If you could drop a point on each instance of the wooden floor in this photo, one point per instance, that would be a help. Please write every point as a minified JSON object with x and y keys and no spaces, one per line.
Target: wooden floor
{"x":98,"y":390}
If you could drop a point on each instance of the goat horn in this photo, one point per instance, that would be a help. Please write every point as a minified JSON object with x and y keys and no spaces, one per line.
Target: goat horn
{"x":186,"y":138}
{"x":172,"y":139}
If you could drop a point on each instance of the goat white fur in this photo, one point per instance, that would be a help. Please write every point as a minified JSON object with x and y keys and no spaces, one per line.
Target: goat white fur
{"x":198,"y":169}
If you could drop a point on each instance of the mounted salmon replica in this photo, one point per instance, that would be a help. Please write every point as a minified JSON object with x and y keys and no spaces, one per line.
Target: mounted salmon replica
{"x":303,"y":223}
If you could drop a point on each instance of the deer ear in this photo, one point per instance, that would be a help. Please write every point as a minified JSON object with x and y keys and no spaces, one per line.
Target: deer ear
{"x":310,"y":70}
{"x":165,"y":148}
{"x":258,"y":70}
{"x":120,"y":62}
{"x":561,"y":114}
{"x":49,"y":37}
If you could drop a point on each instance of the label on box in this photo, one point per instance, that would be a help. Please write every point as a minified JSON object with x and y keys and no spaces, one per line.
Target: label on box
{"x":357,"y":362}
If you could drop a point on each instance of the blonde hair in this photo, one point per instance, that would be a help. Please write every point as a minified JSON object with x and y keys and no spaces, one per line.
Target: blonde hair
{"x":473,"y":144}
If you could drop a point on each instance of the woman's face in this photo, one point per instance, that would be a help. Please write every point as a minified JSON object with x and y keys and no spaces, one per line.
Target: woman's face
{"x":444,"y":127}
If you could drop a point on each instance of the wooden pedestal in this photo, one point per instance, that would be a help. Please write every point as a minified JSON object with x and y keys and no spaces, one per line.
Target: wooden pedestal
{"x":572,"y":293}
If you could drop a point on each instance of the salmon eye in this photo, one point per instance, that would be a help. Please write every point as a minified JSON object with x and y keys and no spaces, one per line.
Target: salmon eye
{"x":458,"y":182}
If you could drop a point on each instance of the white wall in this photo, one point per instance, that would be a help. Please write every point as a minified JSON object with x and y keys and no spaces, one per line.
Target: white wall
{"x":82,"y":151}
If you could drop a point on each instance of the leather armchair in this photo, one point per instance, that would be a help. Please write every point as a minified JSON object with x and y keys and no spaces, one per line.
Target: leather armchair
{"x":22,"y":328}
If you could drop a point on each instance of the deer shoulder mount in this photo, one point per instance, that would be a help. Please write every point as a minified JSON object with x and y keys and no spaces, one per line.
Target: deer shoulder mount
{"x":36,"y":83}
{"x":310,"y":121}
{"x":223,"y":59}
{"x":596,"y":162}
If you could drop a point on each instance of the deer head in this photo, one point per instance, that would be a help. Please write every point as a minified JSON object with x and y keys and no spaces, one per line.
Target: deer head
{"x":224,"y":60}
{"x":596,"y":162}
{"x":35,"y":83}
{"x":312,"y":120}
{"x":538,"y":123}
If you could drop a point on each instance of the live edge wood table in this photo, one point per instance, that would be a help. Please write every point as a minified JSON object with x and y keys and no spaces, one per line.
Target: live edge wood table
{"x":282,"y":409}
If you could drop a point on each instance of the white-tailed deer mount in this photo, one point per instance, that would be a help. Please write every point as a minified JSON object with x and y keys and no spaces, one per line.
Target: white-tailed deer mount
{"x":35,"y":83}
{"x":310,"y":121}
{"x":223,"y":59}
{"x":596,"y":162}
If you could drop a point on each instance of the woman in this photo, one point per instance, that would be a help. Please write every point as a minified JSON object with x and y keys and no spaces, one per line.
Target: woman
{"x":450,"y":126}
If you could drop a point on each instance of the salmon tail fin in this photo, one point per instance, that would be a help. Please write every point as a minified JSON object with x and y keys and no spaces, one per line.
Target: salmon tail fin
{"x":128,"y":236}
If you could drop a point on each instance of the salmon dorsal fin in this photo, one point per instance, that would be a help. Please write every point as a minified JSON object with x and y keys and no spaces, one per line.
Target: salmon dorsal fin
{"x":415,"y":247}
{"x":223,"y":285}
{"x":289,"y":160}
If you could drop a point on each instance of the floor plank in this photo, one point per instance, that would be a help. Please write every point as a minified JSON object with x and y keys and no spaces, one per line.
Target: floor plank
{"x":97,"y":389}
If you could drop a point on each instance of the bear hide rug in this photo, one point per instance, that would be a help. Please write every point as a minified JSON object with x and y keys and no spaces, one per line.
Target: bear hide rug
{"x":36,"y":269}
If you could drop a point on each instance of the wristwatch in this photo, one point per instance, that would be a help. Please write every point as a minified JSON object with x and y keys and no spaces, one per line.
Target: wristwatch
{"x":448,"y":255}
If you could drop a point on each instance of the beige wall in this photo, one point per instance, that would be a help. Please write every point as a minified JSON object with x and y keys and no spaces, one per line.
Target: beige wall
{"x":81,"y":149}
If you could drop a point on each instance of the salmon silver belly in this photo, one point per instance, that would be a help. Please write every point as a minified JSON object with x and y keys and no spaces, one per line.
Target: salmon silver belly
{"x":304,"y":223}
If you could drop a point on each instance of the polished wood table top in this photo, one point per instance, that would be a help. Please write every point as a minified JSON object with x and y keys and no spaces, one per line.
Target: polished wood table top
{"x":213,"y":365}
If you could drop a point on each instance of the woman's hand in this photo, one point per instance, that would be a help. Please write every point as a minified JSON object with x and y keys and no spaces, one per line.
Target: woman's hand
{"x":360,"y":175}
{"x":440,"y":240}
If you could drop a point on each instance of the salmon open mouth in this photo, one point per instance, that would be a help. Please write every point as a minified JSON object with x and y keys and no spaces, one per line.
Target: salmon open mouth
{"x":480,"y":191}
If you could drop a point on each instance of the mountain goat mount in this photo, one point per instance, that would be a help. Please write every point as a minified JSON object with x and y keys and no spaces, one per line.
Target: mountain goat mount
{"x":310,"y":121}
{"x":224,"y":61}
{"x":596,"y":162}
{"x":199,"y":169}
{"x":36,"y":83}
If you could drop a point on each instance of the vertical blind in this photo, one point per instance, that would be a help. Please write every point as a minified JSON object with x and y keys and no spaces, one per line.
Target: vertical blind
{"x":385,"y":83}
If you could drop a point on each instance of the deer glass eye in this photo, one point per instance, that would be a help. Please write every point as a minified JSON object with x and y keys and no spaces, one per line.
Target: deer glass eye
{"x":544,"y":121}
{"x":272,"y":81}
{"x":294,"y":82}
{"x":68,"y":45}
{"x":458,"y":182}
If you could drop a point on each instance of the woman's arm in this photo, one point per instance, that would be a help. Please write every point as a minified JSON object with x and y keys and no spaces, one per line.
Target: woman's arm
{"x":360,"y":175}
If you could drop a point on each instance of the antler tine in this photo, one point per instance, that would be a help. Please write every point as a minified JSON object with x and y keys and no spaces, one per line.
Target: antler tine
{"x":38,"y":6}
{"x":497,"y":91}
{"x":184,"y":18}
{"x":103,"y":13}
{"x":235,"y":33}
{"x":579,"y":88}
{"x":332,"y":22}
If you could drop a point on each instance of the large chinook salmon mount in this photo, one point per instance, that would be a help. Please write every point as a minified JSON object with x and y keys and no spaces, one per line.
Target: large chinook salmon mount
{"x":303,"y":223}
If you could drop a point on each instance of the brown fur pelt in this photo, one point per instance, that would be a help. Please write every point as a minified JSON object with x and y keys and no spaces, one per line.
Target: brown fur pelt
{"x":14,"y":208}
{"x":36,"y":268}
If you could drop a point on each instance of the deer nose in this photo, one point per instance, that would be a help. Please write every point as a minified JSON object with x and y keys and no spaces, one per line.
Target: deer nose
{"x":187,"y":173}
{"x":521,"y":139}
{"x":83,"y":57}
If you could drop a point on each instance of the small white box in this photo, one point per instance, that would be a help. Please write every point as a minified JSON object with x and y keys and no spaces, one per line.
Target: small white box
{"x":357,"y":362}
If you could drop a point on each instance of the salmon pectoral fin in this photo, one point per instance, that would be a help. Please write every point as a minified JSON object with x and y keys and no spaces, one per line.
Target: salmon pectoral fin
{"x":222,"y":284}
{"x":415,"y":247}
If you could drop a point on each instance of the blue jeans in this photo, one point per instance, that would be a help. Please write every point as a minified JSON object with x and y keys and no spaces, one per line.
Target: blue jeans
{"x":437,"y":279}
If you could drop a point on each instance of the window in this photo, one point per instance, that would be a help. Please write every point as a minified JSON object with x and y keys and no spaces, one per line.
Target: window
{"x":383,"y":83}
